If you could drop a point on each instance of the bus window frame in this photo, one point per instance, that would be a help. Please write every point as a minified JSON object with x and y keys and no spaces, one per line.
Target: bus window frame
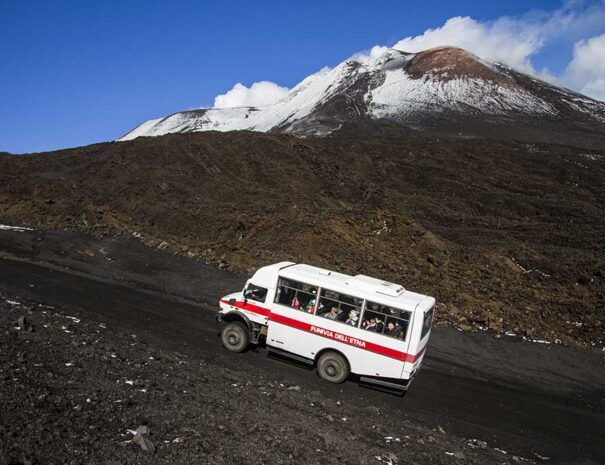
{"x":303,"y":310}
{"x":247,"y":288}
{"x":365,"y":301}
{"x":407,"y":327}
{"x":340,"y":302}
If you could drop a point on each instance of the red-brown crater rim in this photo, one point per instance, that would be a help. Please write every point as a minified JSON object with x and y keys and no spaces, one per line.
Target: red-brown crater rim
{"x":448,"y":63}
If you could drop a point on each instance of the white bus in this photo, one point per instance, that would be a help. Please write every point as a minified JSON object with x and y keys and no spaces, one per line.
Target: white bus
{"x":338,"y":323}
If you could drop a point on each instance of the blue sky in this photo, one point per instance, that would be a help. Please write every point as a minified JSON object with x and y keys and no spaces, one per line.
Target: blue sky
{"x":78,"y":72}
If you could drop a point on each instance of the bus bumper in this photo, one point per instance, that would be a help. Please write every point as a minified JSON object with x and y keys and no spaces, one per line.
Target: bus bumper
{"x":218,"y":319}
{"x":387,"y":384}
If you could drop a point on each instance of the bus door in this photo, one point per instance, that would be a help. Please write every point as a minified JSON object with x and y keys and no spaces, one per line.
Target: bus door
{"x":292,"y":317}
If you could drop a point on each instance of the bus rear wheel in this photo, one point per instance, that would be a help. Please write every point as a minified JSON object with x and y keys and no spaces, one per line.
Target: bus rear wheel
{"x":332,"y":367}
{"x":235,"y":337}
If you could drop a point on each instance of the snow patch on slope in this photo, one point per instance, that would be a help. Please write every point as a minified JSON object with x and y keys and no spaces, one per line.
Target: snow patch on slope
{"x":145,"y":129}
{"x":401,"y":96}
{"x":6,"y":227}
{"x":219,"y":119}
{"x":302,"y":99}
{"x":299,"y":102}
{"x":585,"y":105}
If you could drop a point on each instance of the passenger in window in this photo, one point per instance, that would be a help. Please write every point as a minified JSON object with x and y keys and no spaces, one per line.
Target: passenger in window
{"x":283,"y":296}
{"x":332,"y":314}
{"x":393,"y":330}
{"x":400,"y":332}
{"x":311,"y":304}
{"x":296,"y":303}
{"x":353,"y":317}
{"x":371,"y":325}
{"x":379,"y":325}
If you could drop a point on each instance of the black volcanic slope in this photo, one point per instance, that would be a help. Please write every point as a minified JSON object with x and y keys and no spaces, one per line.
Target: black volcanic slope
{"x":508,"y":236}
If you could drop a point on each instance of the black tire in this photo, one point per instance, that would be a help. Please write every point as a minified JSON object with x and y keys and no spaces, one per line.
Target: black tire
{"x":333,"y":367}
{"x":235,"y":337}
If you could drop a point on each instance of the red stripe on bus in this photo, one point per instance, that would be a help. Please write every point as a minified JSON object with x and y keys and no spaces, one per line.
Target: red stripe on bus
{"x":328,"y":333}
{"x":250,"y":307}
{"x":419,"y":354}
{"x":349,"y":340}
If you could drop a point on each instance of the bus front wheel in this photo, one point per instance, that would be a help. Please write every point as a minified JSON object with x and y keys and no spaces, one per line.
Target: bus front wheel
{"x":235,"y":337}
{"x":332,"y":367}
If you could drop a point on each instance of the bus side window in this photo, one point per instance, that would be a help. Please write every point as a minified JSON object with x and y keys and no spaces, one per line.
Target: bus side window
{"x":284,"y":294}
{"x":339,"y":307}
{"x":297,"y":295}
{"x":392,"y":322}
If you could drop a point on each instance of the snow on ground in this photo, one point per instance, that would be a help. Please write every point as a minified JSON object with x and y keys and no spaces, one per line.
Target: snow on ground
{"x":144,"y":129}
{"x":298,"y":103}
{"x":401,"y":96}
{"x":5,"y":227}
{"x":303,"y":98}
{"x":219,"y":119}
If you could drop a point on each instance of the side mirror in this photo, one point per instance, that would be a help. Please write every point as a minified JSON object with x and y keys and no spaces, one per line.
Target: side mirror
{"x":231,"y":301}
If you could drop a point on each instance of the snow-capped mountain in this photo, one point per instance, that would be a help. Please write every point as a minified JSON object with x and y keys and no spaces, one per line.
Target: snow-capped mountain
{"x":445,"y":86}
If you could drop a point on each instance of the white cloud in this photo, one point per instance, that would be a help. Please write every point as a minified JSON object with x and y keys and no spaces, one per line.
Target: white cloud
{"x":503,"y":40}
{"x":586,"y":71}
{"x":375,"y":52}
{"x":514,"y":41}
{"x":259,"y":94}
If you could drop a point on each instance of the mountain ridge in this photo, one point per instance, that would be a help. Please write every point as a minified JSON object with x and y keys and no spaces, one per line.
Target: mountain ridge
{"x":436,"y":88}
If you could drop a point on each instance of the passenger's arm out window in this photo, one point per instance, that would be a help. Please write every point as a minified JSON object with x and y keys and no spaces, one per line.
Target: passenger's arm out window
{"x":256,"y":293}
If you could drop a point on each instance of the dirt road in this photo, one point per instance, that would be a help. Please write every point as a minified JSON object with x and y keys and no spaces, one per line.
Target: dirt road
{"x":528,"y":399}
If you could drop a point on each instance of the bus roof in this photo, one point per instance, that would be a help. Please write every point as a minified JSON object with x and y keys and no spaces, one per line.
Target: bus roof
{"x":362,"y":286}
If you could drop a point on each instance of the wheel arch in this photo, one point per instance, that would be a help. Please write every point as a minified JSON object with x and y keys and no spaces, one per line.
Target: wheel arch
{"x":235,"y":316}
